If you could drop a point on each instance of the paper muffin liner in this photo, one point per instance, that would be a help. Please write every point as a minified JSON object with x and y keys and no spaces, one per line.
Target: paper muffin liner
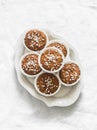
{"x":72,"y":84}
{"x":42,"y":30}
{"x":54,"y":71}
{"x":24,"y":73}
{"x":62,"y":42}
{"x":43,"y":94}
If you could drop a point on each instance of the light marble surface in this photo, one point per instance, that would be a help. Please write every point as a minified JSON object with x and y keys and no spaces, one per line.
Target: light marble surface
{"x":76,"y":21}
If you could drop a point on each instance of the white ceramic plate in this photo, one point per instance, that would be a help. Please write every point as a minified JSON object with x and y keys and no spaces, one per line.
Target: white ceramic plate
{"x":66,"y":96}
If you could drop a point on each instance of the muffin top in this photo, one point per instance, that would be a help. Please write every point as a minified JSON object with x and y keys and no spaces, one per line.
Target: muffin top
{"x":51,"y":59}
{"x":35,"y":40}
{"x":30,"y":64}
{"x":70,"y":73}
{"x":59,"y":46}
{"x":47,"y":83}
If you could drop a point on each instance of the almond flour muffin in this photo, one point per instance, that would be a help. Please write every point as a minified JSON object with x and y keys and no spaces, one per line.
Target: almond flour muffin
{"x":51,"y":60}
{"x":59,"y":46}
{"x":35,"y":40}
{"x":70,"y":74}
{"x":47,"y":84}
{"x":29,"y":64}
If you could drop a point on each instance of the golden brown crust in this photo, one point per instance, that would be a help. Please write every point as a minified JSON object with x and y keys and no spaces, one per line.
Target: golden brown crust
{"x":59,"y":46}
{"x":30,"y":64}
{"x":35,"y":40}
{"x":51,"y":59}
{"x":47,"y":83}
{"x":70,"y":73}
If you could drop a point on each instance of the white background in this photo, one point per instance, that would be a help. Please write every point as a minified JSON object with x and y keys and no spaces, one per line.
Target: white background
{"x":76,"y":21}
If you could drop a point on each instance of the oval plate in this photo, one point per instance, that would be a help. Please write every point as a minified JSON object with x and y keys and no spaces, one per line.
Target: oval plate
{"x":66,"y":96}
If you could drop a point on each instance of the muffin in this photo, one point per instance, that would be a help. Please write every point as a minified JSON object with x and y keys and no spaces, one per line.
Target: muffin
{"x":59,"y":44}
{"x":29,"y":64}
{"x":70,"y":74}
{"x":51,"y":59}
{"x":35,"y":40}
{"x":47,"y":84}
